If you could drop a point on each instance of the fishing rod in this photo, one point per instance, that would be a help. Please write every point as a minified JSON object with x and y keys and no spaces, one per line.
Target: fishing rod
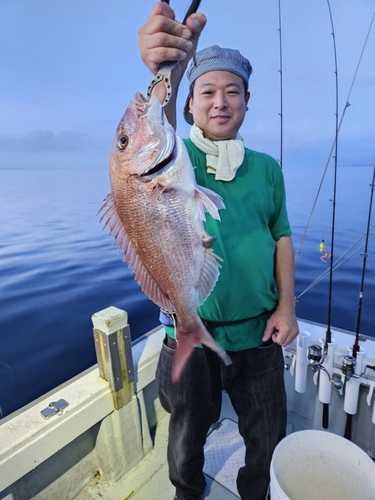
{"x":281,"y":89}
{"x":191,"y":10}
{"x":347,"y":104}
{"x":328,"y":336}
{"x":356,"y":346}
{"x":364,"y":255}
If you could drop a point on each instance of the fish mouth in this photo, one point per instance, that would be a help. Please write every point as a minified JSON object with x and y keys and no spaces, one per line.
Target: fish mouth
{"x":160,"y":166}
{"x":160,"y":128}
{"x":163,"y":164}
{"x":167,"y":144}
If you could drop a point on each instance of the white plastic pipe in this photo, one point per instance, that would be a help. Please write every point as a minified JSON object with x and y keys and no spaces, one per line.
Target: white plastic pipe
{"x":325,"y":386}
{"x":371,"y":450}
{"x":301,"y":362}
{"x":359,"y":364}
{"x":353,"y":384}
{"x":369,"y":398}
{"x":351,"y":395}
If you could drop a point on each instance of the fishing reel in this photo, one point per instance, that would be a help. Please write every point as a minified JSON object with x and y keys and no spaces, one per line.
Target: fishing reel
{"x":316,"y":357}
{"x":348,"y":367}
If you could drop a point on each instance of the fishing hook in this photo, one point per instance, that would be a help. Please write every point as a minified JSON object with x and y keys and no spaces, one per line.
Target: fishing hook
{"x":164,"y":73}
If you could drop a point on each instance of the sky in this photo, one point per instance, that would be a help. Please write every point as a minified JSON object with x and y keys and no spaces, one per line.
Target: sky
{"x":69,"y":68}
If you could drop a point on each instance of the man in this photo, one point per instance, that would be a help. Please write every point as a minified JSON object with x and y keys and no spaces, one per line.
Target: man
{"x":248,"y":315}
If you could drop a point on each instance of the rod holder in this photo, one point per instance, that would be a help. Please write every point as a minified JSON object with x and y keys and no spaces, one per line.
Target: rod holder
{"x":301,"y":362}
{"x":371,"y":450}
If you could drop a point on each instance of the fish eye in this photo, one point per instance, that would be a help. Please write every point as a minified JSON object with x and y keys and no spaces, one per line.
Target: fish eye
{"x":123,"y":141}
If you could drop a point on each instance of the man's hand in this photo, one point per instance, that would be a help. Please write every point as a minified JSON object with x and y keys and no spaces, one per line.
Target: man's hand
{"x":282,"y":327}
{"x":163,"y":39}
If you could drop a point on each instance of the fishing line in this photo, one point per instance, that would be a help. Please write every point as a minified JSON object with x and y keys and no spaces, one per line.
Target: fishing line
{"x":347,"y":104}
{"x":339,"y":262}
{"x":281,"y":89}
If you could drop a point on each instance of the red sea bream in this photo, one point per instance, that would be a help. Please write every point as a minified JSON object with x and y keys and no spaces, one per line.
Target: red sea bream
{"x":155,"y":212}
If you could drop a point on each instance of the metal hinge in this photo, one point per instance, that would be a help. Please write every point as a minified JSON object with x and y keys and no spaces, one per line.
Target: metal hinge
{"x":54,"y":408}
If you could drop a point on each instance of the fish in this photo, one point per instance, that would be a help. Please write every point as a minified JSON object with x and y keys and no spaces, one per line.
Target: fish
{"x":155,"y":212}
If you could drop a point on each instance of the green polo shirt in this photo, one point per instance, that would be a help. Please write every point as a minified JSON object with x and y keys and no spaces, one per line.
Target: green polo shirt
{"x":255,"y":217}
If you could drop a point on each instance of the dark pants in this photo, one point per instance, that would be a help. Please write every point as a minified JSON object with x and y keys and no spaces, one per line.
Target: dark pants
{"x":255,"y":384}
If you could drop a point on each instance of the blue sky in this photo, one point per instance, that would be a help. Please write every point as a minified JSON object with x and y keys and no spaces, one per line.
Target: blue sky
{"x":69,"y":68}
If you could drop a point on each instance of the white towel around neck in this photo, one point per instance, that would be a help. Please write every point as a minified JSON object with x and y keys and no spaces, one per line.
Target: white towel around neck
{"x":223,"y":157}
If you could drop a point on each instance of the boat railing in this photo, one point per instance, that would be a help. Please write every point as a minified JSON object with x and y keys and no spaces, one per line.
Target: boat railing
{"x":105,"y":414}
{"x":101,"y":421}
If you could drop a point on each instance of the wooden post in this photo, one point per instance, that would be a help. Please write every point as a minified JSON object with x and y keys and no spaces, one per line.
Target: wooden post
{"x":114,"y":353}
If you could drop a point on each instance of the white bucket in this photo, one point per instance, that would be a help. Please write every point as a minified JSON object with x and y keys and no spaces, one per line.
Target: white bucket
{"x":319,"y":465}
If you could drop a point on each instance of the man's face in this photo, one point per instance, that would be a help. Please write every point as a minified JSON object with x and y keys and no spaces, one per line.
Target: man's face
{"x":219,"y":104}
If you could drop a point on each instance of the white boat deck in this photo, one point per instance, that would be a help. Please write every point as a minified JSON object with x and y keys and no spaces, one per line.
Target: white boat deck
{"x":92,"y":451}
{"x":224,"y":453}
{"x":149,"y":480}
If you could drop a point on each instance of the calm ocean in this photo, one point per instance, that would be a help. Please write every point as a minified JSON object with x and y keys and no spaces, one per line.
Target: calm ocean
{"x":57,"y":268}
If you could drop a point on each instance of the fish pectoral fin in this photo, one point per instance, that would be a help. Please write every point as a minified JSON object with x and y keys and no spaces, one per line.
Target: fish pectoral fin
{"x":208,"y":276}
{"x":210,"y":201}
{"x":157,"y":191}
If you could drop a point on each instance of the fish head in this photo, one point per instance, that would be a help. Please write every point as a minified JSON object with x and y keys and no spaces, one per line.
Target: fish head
{"x":144,"y":138}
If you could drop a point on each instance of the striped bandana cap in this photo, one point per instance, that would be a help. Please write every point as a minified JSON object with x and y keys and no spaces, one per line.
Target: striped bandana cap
{"x":215,"y":58}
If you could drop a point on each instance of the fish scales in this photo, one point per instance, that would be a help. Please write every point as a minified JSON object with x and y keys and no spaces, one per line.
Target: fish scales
{"x":155,"y":212}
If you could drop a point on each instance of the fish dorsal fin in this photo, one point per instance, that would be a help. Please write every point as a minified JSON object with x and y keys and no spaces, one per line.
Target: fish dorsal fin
{"x":209,"y":275}
{"x":210,"y":201}
{"x":143,"y":277}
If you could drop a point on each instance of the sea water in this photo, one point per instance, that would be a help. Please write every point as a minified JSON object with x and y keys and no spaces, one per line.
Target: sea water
{"x":58,"y":267}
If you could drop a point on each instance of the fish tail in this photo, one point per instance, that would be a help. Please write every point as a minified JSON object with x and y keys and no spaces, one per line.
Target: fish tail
{"x":186,"y":343}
